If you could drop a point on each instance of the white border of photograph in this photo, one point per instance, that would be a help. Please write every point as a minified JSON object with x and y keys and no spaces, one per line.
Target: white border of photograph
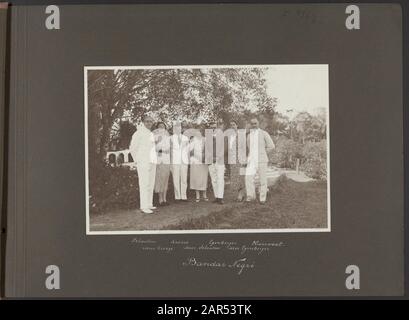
{"x":209,"y":231}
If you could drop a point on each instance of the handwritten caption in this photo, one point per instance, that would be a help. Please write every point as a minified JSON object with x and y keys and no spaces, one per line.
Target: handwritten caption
{"x":238,"y":258}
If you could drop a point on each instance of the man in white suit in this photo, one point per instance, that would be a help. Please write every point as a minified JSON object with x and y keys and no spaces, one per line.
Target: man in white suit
{"x":217,"y":159}
{"x":179,"y":146}
{"x":260,"y":145}
{"x":142,"y":148}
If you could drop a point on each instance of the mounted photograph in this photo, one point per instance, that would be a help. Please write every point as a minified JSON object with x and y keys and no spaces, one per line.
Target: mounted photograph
{"x":207,"y":149}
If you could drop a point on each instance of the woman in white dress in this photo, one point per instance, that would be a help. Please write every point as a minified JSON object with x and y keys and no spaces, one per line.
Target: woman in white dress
{"x":199,"y":171}
{"x":162,"y":141}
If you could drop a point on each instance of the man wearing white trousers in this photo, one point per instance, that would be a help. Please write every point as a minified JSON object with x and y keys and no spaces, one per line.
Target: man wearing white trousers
{"x":142,"y":148}
{"x":217,"y":160}
{"x":179,"y":145}
{"x":260,"y":145}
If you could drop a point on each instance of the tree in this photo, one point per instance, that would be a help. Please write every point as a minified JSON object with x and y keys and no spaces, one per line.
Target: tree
{"x":111,"y":93}
{"x":308,"y":127}
{"x":169,"y":94}
{"x":280,"y":125}
{"x":286,"y":152}
{"x":123,"y":135}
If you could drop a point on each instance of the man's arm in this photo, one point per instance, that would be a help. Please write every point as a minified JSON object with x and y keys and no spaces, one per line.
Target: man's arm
{"x":134,"y":145}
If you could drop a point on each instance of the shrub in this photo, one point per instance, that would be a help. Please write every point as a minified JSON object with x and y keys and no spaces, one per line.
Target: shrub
{"x":314,"y":162}
{"x":112,"y":188}
{"x":285,"y":153}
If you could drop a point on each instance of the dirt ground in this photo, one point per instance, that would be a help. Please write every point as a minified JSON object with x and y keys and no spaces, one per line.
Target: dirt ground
{"x":290,"y":204}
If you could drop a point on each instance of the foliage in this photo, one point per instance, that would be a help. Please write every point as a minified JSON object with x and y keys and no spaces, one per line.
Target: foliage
{"x":312,"y":156}
{"x":302,"y":128}
{"x":285,"y":153}
{"x":123,"y":135}
{"x":169,"y":94}
{"x":112,"y":188}
{"x":308,"y":127}
{"x":314,"y":163}
{"x":280,"y":125}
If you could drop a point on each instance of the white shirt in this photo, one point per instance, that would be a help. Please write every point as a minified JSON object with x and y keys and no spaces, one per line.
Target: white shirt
{"x":162,"y":141}
{"x":179,"y":149}
{"x":196,"y":148}
{"x":260,"y":143}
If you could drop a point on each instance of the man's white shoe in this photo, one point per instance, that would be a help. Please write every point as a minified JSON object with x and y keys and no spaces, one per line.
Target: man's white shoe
{"x":147,"y":211}
{"x":153,"y":208}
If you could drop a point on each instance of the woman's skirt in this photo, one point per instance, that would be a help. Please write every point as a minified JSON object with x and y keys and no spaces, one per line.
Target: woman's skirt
{"x":161,"y":177}
{"x":198,"y":176}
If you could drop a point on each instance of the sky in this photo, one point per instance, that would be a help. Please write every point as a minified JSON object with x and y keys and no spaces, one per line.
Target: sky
{"x":298,"y":87}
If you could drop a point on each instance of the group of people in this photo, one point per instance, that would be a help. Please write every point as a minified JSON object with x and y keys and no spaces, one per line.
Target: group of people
{"x":203,"y":152}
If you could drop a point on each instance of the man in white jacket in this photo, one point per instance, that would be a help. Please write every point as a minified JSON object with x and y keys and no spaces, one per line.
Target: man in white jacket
{"x":260,"y":145}
{"x":142,"y":148}
{"x":217,"y":159}
{"x":179,"y":147}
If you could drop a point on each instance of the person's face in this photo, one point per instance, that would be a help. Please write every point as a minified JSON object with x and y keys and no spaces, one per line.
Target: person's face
{"x":233,"y":125}
{"x":254,"y":124}
{"x":213,"y":126}
{"x":148,"y":122}
{"x":161,"y":126}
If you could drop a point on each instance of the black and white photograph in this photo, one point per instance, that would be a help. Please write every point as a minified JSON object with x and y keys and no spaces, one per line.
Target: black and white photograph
{"x":207,"y":149}
{"x":182,"y":151}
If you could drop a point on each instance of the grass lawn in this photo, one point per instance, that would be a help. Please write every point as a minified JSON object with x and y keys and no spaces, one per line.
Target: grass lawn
{"x":290,"y":204}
